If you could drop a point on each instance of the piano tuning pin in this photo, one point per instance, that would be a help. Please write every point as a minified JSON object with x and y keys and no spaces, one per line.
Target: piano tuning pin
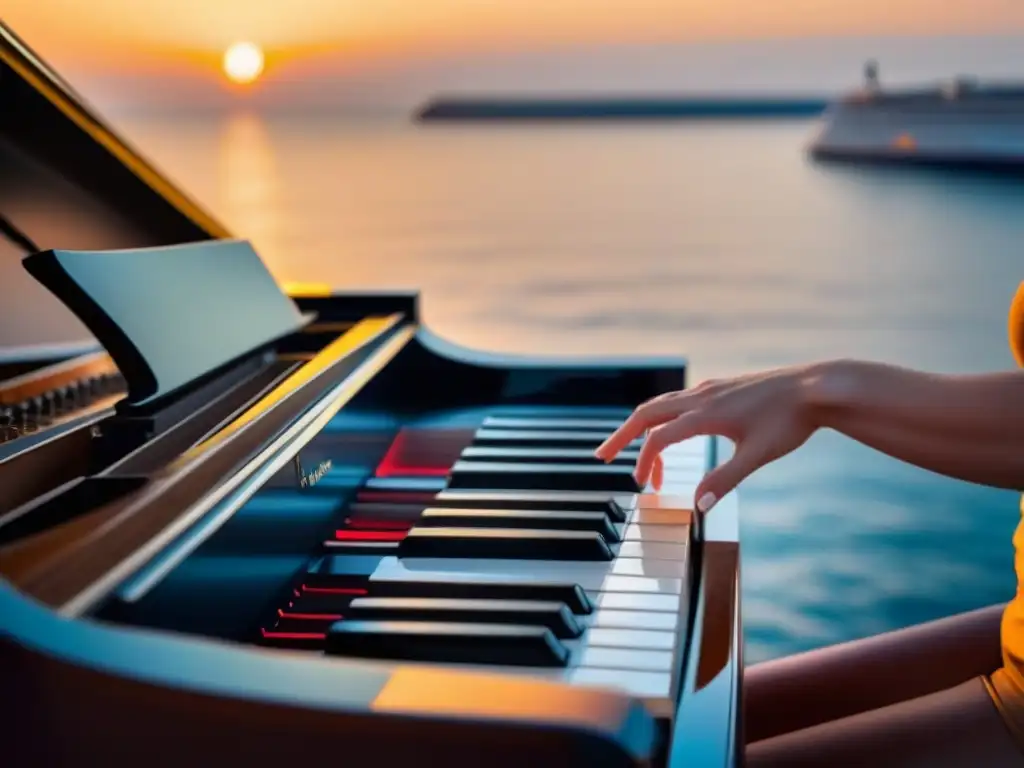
{"x":32,"y":411}
{"x":7,"y":429}
{"x":111,"y":383}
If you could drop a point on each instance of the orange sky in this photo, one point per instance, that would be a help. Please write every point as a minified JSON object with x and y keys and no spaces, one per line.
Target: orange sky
{"x":170,"y":35}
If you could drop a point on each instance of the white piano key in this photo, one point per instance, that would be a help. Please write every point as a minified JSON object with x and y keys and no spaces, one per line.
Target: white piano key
{"x":691,"y":473}
{"x":553,"y":424}
{"x":583,"y":573}
{"x":664,"y":501}
{"x":612,"y":619}
{"x":684,"y":456}
{"x":680,"y":489}
{"x":653,"y":567}
{"x":632,"y":601}
{"x":667,"y":534}
{"x":696,"y":446}
{"x":691,"y":465}
{"x":694,"y":461}
{"x":590,"y":576}
{"x":627,"y":638}
{"x":643,"y":516}
{"x":687,"y":455}
{"x":618,"y":658}
{"x":681,"y":484}
{"x":626,"y":501}
{"x":684,"y":474}
{"x":641,"y":585}
{"x":647,"y":550}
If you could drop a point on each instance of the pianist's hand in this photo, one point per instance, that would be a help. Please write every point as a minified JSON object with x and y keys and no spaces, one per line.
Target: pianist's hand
{"x":766,"y":415}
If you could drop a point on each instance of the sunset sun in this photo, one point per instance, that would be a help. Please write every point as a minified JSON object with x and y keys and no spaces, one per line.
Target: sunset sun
{"x":243,"y":63}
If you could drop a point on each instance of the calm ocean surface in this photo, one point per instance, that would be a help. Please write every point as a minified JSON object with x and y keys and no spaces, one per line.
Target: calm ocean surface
{"x":718,"y":242}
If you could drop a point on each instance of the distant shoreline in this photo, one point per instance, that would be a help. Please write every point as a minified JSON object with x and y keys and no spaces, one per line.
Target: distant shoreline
{"x":458,"y":108}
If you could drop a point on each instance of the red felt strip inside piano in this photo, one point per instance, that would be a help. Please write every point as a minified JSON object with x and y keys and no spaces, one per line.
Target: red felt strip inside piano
{"x":423,"y":452}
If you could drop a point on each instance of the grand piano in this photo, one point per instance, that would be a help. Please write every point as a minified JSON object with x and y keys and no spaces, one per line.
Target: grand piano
{"x":247,"y":524}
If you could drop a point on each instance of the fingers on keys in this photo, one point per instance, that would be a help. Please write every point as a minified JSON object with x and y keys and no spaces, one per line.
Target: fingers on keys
{"x":651,"y":414}
{"x":662,"y":421}
{"x":658,"y":475}
{"x":660,"y":438}
{"x":749,"y":456}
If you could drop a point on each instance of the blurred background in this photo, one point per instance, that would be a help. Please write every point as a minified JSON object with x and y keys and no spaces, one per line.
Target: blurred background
{"x":293,"y":122}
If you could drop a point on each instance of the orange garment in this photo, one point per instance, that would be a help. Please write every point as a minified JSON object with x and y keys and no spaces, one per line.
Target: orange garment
{"x":1007,"y":684}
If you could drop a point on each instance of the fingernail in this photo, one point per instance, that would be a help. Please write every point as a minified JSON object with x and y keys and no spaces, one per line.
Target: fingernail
{"x":706,"y":502}
{"x":601,"y":450}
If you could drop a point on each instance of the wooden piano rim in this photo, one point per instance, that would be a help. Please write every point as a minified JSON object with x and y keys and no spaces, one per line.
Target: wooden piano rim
{"x":720,"y":577}
{"x":131,"y":530}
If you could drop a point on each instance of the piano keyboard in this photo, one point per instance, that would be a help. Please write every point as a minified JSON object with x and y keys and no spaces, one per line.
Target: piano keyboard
{"x":527,"y":557}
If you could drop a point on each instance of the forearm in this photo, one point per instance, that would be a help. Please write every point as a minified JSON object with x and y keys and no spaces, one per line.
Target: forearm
{"x":969,"y":427}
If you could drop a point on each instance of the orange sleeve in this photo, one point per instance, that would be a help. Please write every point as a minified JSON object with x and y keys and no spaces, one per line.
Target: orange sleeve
{"x":1017,"y":325}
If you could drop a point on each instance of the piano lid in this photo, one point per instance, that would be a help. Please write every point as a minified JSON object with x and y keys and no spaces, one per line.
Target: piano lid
{"x":69,"y":182}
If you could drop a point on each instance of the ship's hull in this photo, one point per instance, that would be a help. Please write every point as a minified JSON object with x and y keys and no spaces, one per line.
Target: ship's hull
{"x":970,"y":133}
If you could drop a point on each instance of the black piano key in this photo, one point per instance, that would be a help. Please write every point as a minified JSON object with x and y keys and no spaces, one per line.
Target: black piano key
{"x":552,"y":424}
{"x":299,"y":624}
{"x":340,"y":546}
{"x":386,"y":512}
{"x":571,"y":595}
{"x":536,"y":455}
{"x":321,"y":603}
{"x":406,"y":484}
{"x":552,"y":477}
{"x":573,"y":502}
{"x":505,"y":644}
{"x":555,"y":520}
{"x":326,"y":571}
{"x":504,"y":544}
{"x":561,"y":412}
{"x":555,"y":616}
{"x":383,"y":515}
{"x":545,"y":438}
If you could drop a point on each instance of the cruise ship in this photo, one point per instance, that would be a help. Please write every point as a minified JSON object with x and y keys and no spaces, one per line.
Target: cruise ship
{"x":962,"y":123}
